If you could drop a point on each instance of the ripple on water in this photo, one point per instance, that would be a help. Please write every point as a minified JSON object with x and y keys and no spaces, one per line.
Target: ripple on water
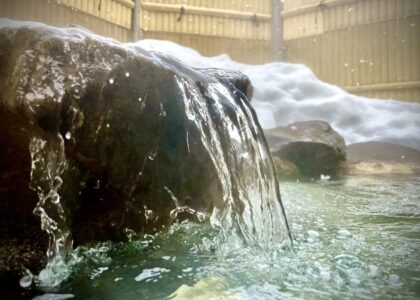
{"x":340,"y":252}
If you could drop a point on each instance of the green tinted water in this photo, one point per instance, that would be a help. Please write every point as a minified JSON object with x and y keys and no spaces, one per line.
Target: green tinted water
{"x":358,"y":238}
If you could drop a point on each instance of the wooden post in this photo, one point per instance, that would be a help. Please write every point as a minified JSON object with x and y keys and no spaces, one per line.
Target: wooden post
{"x":277,"y":29}
{"x":135,"y":24}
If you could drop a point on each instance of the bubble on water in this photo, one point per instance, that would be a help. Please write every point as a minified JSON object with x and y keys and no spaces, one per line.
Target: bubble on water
{"x":50,"y":296}
{"x":373,"y":271}
{"x":150,"y":274}
{"x":394,"y":279}
{"x":354,"y":282}
{"x":313,"y":234}
{"x":343,"y":234}
{"x":187,"y":270}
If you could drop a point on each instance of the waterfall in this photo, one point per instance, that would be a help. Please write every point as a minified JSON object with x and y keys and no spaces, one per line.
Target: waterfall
{"x":123,"y":140}
{"x":238,"y":150}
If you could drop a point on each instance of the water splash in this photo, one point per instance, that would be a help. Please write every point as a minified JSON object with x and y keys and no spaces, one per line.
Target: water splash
{"x":48,"y":164}
{"x":201,"y":217}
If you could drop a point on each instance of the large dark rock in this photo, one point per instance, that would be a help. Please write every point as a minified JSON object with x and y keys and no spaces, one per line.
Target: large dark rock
{"x":111,"y":113}
{"x":314,"y":147}
{"x":100,"y":139}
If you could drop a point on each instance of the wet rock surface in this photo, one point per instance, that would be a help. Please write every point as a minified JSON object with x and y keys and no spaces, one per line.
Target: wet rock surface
{"x":101,"y":140}
{"x":235,"y":78}
{"x":313,"y":147}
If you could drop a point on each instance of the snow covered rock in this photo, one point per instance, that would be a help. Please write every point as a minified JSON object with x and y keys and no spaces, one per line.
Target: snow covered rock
{"x":313,"y":146}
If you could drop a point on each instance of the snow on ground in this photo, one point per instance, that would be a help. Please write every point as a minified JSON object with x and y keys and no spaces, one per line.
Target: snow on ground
{"x":286,"y":93}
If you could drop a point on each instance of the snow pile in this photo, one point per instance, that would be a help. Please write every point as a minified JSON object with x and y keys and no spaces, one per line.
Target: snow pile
{"x":286,"y":93}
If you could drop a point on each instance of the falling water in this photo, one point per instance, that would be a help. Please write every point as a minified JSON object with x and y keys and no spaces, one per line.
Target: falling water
{"x":238,"y":150}
{"x":48,"y":163}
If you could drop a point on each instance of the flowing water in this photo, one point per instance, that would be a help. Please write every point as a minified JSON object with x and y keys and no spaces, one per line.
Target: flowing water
{"x":358,"y":238}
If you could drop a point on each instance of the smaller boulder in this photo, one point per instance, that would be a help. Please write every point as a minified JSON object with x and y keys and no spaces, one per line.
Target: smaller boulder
{"x":314,"y":147}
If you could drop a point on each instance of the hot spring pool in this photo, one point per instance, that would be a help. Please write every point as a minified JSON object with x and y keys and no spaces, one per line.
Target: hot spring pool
{"x":358,"y":238}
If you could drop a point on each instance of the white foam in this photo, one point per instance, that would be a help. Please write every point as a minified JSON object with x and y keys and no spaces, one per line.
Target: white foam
{"x":286,"y":93}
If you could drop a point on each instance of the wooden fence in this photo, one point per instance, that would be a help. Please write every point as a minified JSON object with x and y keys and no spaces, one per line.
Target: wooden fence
{"x":369,"y":47}
{"x":111,"y":18}
{"x":241,"y":28}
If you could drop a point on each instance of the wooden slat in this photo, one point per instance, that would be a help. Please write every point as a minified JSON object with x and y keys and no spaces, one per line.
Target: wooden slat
{"x":378,"y":39}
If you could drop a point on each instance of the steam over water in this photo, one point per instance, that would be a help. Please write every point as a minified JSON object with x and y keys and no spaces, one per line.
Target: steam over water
{"x":286,"y":93}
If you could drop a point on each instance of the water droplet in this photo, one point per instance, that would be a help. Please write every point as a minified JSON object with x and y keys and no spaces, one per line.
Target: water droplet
{"x":25,"y":281}
{"x":201,"y":217}
{"x":68,"y":135}
{"x":55,"y":199}
{"x":325,"y":177}
{"x":111,"y":81}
